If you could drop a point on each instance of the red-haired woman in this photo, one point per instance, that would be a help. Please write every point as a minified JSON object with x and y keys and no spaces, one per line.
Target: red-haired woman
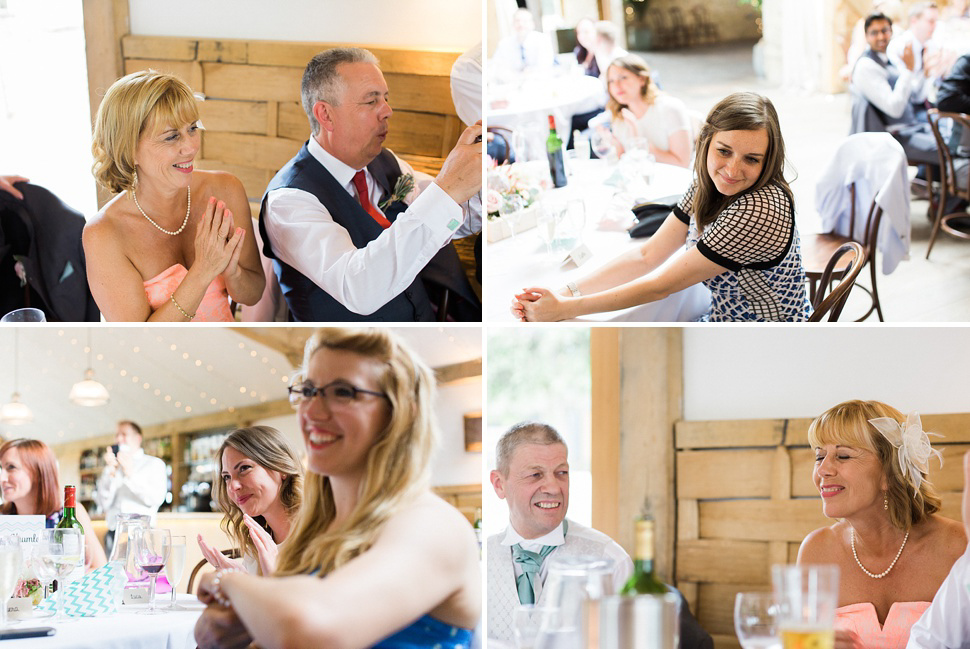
{"x":30,"y":484}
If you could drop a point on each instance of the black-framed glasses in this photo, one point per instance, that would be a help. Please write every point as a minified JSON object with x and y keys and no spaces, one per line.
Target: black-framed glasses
{"x":337,"y":393}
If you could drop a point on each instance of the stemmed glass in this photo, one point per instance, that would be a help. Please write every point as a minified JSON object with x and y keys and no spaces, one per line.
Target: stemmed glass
{"x":59,"y":552}
{"x":756,"y":620}
{"x":11,"y":565}
{"x":24,"y":315}
{"x":602,"y":142}
{"x":510,"y":209}
{"x":174,"y":568}
{"x":152,"y":548}
{"x":546,"y":225}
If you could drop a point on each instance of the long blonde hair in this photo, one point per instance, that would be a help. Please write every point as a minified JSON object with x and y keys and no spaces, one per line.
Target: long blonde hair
{"x":848,"y":424}
{"x":639,"y":68}
{"x":269,"y":449}
{"x":397,"y":465}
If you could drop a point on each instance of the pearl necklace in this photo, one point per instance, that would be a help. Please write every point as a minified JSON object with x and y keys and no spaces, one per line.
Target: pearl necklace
{"x":188,"y":209}
{"x":881,"y":574}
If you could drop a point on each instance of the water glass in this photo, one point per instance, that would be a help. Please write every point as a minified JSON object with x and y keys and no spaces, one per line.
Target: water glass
{"x":24,"y":315}
{"x":756,"y":620}
{"x":526,"y":621}
{"x":571,"y":584}
{"x":174,"y":568}
{"x":807,"y":598}
{"x":509,"y":210}
{"x":603,"y":143}
{"x":11,"y":565}
{"x":151,"y":548}
{"x":59,"y":552}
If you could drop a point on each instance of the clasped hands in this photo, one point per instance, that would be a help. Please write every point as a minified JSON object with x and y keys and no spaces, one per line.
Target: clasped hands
{"x":540,"y":305}
{"x":215,"y":249}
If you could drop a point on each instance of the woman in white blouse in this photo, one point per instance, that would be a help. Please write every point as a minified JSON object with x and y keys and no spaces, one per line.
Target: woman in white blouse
{"x":641,"y":110}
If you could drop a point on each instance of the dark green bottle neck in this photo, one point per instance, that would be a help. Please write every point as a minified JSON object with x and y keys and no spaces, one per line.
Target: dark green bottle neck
{"x":643,"y":566}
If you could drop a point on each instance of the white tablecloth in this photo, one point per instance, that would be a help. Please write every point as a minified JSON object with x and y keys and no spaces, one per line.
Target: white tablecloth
{"x":532,"y":100}
{"x":124,"y":630}
{"x":514,"y":264}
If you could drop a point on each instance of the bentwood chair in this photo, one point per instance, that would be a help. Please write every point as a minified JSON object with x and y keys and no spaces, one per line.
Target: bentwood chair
{"x":950,"y":182}
{"x":818,"y":251}
{"x":850,"y":258}
{"x":232,"y":554}
{"x":500,"y":144}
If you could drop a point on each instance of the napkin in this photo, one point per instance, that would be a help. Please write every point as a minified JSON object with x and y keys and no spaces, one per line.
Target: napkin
{"x":97,"y":593}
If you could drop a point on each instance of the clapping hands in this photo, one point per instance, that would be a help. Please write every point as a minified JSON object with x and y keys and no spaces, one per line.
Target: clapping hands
{"x":214,"y":247}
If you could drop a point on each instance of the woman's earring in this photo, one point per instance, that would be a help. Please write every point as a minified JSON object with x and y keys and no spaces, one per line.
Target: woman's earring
{"x":885,"y":501}
{"x":134,"y":183}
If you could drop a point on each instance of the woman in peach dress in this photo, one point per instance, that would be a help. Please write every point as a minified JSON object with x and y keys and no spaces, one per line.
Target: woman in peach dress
{"x":154,"y":253}
{"x":892,"y":547}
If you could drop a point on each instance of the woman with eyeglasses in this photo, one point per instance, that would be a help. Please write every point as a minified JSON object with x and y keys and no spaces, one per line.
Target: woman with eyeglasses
{"x":259,"y":487}
{"x":373,"y":557}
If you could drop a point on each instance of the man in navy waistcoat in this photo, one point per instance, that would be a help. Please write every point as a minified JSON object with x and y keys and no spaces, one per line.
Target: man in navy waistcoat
{"x":349,"y":239}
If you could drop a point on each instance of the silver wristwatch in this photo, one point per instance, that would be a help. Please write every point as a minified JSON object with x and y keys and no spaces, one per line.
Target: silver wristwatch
{"x":573,"y":289}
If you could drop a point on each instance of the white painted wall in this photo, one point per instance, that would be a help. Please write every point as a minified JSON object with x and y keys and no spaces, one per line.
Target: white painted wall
{"x":452,"y":465}
{"x":770,"y":372}
{"x":430,"y":24}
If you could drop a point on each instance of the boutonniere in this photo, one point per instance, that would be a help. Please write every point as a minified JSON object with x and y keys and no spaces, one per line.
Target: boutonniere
{"x":403,"y":187}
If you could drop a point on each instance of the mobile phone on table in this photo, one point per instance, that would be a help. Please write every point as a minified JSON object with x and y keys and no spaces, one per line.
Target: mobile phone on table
{"x":36,"y":632}
{"x":115,"y":448}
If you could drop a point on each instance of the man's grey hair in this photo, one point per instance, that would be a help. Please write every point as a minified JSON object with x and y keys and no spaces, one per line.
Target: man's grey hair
{"x":527,"y":432}
{"x":321,"y":82}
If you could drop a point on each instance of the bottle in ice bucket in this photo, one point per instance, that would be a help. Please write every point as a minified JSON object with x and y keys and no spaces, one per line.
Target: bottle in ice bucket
{"x":557,"y":168}
{"x":643,"y":581}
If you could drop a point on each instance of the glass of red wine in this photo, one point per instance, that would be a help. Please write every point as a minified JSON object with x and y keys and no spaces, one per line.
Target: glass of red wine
{"x":151,"y":548}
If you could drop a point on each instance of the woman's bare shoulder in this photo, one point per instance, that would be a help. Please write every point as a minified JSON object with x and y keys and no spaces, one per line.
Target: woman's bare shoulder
{"x":106,"y":225}
{"x":950,"y":536}
{"x":819,"y":545}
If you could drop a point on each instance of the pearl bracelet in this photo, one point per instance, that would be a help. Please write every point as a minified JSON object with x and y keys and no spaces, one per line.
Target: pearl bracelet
{"x":181,"y":310}
{"x":217,"y":586}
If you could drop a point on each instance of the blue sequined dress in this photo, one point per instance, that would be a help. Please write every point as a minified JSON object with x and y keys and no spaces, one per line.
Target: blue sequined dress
{"x":428,"y":633}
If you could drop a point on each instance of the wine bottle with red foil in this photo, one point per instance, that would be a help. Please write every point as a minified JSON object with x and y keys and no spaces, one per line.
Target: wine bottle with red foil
{"x":557,"y":167}
{"x":643,"y":581}
{"x":69,"y":520}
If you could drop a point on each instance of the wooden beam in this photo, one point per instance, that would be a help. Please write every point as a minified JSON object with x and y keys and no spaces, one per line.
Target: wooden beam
{"x":232,"y":417}
{"x":105,"y":23}
{"x":458,"y":371}
{"x":605,"y":371}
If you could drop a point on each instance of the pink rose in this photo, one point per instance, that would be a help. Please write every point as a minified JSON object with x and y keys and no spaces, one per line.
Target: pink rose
{"x":492,"y":200}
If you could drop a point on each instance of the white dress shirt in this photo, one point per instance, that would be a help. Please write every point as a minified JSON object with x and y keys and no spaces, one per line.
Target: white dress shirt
{"x":502,"y":594}
{"x":466,"y":85}
{"x":305,"y":236}
{"x":534,"y":53}
{"x":141,"y":491}
{"x":921,"y":84}
{"x":946,"y":623}
{"x":872,"y":80}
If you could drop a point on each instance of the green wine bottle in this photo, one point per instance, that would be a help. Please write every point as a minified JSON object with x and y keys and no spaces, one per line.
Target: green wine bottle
{"x":69,"y":518}
{"x":554,"y":151}
{"x":643,"y":581}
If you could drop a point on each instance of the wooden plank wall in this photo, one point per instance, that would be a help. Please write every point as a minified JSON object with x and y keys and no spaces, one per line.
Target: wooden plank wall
{"x":465,"y":498}
{"x":252,"y":113}
{"x":745,"y":500}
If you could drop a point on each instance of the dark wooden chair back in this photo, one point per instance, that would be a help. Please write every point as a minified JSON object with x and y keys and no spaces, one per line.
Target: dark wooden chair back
{"x":831,"y":305}
{"x":949,"y":183}
{"x":232,"y":554}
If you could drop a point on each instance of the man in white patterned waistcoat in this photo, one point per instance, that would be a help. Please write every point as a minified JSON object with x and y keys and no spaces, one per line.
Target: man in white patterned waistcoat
{"x":532,"y":475}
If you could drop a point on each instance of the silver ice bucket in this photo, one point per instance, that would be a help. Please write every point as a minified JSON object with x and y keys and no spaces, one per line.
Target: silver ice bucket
{"x":637,"y":622}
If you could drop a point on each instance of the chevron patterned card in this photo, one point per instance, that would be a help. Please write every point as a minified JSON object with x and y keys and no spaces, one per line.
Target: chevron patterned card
{"x":97,"y":593}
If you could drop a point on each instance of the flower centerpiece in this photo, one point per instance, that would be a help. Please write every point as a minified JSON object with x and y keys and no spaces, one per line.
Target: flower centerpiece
{"x":520,"y":185}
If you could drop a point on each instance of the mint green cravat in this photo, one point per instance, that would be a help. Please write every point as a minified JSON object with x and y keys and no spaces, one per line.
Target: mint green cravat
{"x":531,"y":564}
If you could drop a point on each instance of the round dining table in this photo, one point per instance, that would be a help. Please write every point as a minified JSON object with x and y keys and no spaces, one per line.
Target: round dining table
{"x":529,"y":100}
{"x":522,"y":261}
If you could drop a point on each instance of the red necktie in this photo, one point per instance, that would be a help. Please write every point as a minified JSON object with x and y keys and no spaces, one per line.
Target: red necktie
{"x":360,"y":183}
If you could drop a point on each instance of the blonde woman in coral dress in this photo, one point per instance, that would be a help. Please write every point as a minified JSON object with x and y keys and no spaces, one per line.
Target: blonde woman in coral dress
{"x":892,"y":547}
{"x":176,"y":243}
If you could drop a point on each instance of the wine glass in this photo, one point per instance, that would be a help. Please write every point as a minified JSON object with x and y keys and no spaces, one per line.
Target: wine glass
{"x":756,"y":620}
{"x":59,"y":551}
{"x":546,"y":226}
{"x":509,"y":210}
{"x":602,"y":142}
{"x":174,"y":568}
{"x":11,"y":565}
{"x":152,"y":548}
{"x":24,"y":315}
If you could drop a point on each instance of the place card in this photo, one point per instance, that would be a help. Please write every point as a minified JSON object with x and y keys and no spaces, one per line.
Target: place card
{"x":137,"y":595}
{"x":20,"y":608}
{"x":578,"y":255}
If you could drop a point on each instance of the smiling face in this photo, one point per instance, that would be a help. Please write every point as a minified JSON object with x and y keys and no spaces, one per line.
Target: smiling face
{"x":357,"y":126}
{"x":339,"y":437}
{"x":253,"y":488}
{"x":850,"y":480}
{"x":165,"y":154}
{"x":536,"y":488}
{"x":625,"y":86}
{"x":878,"y":35}
{"x":15,"y":480}
{"x":735,"y":159}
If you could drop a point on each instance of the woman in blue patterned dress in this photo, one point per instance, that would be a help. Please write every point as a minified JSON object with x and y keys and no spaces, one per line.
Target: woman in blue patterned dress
{"x":374,"y":558}
{"x":737,"y":219}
